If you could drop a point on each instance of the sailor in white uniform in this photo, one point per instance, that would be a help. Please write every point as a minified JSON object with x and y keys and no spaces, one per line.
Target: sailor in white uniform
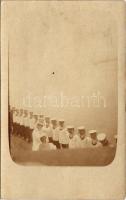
{"x":26,"y":125}
{"x":44,"y":145}
{"x":48,"y":130}
{"x":20,"y":122}
{"x":31,"y":126}
{"x":36,"y":135}
{"x":63,"y":135}
{"x":73,"y":138}
{"x":83,"y":141}
{"x":41,"y":119}
{"x":55,"y":133}
{"x":94,"y":140}
{"x":46,"y":120}
{"x":102,"y":138}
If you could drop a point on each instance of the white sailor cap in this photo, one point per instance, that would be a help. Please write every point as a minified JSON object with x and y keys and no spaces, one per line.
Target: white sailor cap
{"x":61,"y":120}
{"x":70,"y":127}
{"x":101,"y":136}
{"x":81,"y":128}
{"x":92,"y":131}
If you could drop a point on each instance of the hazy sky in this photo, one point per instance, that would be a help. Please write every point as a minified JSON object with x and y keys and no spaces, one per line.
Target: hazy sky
{"x":78,"y":43}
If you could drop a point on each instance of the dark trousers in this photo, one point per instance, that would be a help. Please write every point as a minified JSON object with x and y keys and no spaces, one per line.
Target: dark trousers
{"x":57,"y":144}
{"x":30,"y":135}
{"x":21,"y":131}
{"x":14,"y":128}
{"x":50,"y":139}
{"x":26,"y":135}
{"x":65,"y":146}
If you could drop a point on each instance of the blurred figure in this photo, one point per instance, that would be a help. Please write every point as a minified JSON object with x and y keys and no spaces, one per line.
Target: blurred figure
{"x":115,"y":139}
{"x":72,"y":137}
{"x":25,"y":125}
{"x":48,"y":131}
{"x":36,"y":135}
{"x":41,"y":119}
{"x":16,"y":121}
{"x":55,"y":133}
{"x":11,"y":120}
{"x":31,"y":126}
{"x":35,"y":120}
{"x":83,"y":140}
{"x":44,"y":145}
{"x":102,"y":138}
{"x":93,"y":136}
{"x":63,"y":135}
{"x":20,"y":122}
{"x":47,"y":120}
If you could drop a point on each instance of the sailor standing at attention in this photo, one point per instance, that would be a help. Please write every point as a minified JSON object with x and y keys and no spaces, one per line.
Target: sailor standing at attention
{"x":83,"y":140}
{"x":26,"y":125}
{"x":31,"y":126}
{"x":20,"y":122}
{"x":36,"y":135}
{"x":93,"y":136}
{"x":48,"y":130}
{"x":63,"y":135}
{"x":72,"y":137}
{"x":55,"y":133}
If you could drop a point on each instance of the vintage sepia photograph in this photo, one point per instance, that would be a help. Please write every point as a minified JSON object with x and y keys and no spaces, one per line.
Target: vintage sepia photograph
{"x":62,"y":84}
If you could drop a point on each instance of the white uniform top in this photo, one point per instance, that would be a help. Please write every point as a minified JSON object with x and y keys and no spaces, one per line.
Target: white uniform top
{"x":31,"y":123}
{"x":21,"y":120}
{"x":26,"y":121}
{"x":17,"y":119}
{"x":73,"y":142}
{"x":47,"y":131}
{"x":55,"y":133}
{"x":14,"y":117}
{"x":36,"y":135}
{"x":63,"y":136}
{"x":85,"y":143}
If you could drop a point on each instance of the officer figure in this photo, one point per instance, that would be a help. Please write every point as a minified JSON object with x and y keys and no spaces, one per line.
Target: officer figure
{"x":26,"y":125}
{"x":31,"y":126}
{"x":48,"y":130}
{"x":36,"y":135}
{"x":63,"y":135}
{"x":55,"y":133}
{"x":20,"y":122}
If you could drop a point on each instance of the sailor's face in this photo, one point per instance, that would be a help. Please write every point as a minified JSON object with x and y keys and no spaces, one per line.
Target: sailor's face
{"x":47,"y":125}
{"x":61,"y":124}
{"x":39,"y":127}
{"x":54,"y":125}
{"x":71,"y":135}
{"x":93,"y":136}
{"x":82,"y":134}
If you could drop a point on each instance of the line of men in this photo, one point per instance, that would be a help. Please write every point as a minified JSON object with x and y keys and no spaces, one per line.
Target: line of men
{"x":46,"y":133}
